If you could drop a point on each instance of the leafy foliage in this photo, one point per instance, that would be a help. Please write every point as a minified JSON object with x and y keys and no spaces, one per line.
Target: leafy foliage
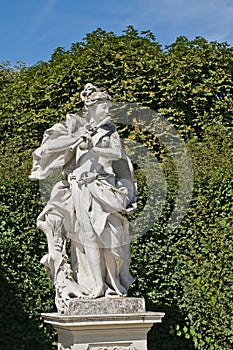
{"x":25,"y":289}
{"x":188,"y":272}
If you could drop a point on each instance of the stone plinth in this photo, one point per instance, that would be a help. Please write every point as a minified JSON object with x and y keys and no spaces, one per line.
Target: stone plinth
{"x":104,"y":329}
{"x":105,"y":305}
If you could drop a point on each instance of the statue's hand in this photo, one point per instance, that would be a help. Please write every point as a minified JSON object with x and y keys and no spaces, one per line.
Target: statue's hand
{"x":87,"y":177}
{"x":86,"y":144}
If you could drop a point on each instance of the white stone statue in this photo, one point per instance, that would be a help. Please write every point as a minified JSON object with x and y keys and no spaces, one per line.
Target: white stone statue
{"x":89,"y":207}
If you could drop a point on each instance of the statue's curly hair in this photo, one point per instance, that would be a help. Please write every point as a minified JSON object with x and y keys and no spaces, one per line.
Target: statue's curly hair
{"x":91,"y":95}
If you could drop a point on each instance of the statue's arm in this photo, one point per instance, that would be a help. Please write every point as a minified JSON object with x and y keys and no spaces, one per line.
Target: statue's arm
{"x":59,"y":144}
{"x":110,"y":149}
{"x":64,"y":142}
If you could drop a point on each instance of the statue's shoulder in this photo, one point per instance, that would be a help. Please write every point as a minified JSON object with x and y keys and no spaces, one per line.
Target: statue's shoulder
{"x":74,"y":121}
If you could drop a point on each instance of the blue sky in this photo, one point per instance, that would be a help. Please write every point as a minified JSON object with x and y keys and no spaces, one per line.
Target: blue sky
{"x":31,"y":30}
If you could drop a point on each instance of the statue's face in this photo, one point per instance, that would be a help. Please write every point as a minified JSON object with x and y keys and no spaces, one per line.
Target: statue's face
{"x":101,"y":111}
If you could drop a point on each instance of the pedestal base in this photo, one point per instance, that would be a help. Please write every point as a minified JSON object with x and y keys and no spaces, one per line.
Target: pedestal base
{"x":103,"y":332}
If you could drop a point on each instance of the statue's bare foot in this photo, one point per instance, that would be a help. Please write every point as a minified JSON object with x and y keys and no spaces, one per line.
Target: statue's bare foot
{"x":72,"y":290}
{"x":78,"y":295}
{"x":98,"y":292}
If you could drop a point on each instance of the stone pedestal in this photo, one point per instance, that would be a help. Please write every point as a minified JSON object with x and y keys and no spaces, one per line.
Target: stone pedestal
{"x":106,"y":328}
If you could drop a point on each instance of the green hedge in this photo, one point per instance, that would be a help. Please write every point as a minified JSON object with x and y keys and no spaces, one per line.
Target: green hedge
{"x":24,"y":287}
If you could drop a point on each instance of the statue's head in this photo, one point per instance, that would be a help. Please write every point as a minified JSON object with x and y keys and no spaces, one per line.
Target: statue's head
{"x":91,"y":96}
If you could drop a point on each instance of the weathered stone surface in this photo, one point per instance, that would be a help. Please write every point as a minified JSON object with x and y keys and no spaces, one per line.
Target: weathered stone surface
{"x":107,"y":306}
